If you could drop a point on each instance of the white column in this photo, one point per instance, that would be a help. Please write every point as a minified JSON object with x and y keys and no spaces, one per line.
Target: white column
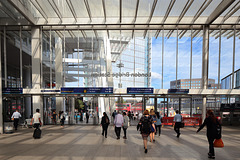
{"x":205,"y":61}
{"x":58,"y":72}
{"x":36,"y":67}
{"x":1,"y":106}
{"x":27,"y":82}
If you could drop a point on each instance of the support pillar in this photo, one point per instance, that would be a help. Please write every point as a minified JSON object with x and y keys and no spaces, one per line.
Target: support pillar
{"x":167,"y":107}
{"x":191,"y":107}
{"x":27,"y":84}
{"x":179,"y":105}
{"x":58,"y":73}
{"x":205,"y":61}
{"x":155,"y":104}
{"x":36,"y":68}
{"x":1,"y":102}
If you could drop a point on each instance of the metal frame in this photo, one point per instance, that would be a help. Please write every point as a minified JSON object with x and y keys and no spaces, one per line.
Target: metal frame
{"x":104,"y":11}
{"x":136,"y":11}
{"x":56,"y":10}
{"x":88,"y":9}
{"x":70,"y":5}
{"x":40,"y":10}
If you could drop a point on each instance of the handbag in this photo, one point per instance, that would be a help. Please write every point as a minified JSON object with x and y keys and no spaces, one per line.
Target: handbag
{"x":218,"y":143}
{"x":182,"y":125}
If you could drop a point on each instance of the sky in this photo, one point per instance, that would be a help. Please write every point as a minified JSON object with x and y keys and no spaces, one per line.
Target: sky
{"x":184,"y":51}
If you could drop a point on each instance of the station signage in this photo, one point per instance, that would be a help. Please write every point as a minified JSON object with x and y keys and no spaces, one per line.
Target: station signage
{"x":12,"y":90}
{"x":139,"y":90}
{"x":87,"y":90}
{"x":178,"y":91}
{"x":50,"y":90}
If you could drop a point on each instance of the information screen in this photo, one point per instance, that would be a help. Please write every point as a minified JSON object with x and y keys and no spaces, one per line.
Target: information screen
{"x":87,"y":90}
{"x":139,"y":90}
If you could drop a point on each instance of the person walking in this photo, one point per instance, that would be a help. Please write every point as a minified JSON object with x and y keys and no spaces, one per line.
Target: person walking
{"x":125,"y":124}
{"x":62,"y":119}
{"x":177,"y":119}
{"x":118,"y":123}
{"x":54,"y":117}
{"x":36,"y":119}
{"x":15,"y":117}
{"x":87,"y":116}
{"x":211,"y":122}
{"x":153,"y":130}
{"x":104,"y":123}
{"x":158,"y":123}
{"x":146,"y":122}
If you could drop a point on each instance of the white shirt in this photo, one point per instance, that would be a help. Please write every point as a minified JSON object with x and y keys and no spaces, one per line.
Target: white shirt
{"x":36,"y":117}
{"x":16,"y":115}
{"x":118,"y":121}
{"x":177,"y":118}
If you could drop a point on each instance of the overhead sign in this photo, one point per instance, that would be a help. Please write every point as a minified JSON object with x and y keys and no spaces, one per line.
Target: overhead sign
{"x":12,"y":90}
{"x":178,"y":91}
{"x":139,"y":90}
{"x":50,"y":90}
{"x":87,"y":90}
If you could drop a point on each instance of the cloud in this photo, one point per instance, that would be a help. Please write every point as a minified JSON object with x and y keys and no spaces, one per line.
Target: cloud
{"x":155,"y":75}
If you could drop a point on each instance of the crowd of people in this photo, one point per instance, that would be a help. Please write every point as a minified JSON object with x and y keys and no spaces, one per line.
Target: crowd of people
{"x":149,"y":125}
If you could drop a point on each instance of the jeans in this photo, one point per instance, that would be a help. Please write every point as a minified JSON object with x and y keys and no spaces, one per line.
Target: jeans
{"x":211,"y":147}
{"x":118,"y":131}
{"x":104,"y":129}
{"x":158,"y":128}
{"x":125,"y":131}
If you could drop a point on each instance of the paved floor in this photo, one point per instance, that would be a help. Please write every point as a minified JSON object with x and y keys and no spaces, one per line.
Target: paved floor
{"x":78,"y":142}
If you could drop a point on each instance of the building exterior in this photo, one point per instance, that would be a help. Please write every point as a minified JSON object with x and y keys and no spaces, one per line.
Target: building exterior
{"x":196,"y":84}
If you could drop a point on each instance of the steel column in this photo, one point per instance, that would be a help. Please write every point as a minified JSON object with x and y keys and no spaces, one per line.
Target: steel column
{"x":162,"y":54}
{"x":176,"y":57}
{"x":1,"y":104}
{"x":219,"y":57}
{"x":21,"y":75}
{"x":233,"y":65}
{"x":5,"y":56}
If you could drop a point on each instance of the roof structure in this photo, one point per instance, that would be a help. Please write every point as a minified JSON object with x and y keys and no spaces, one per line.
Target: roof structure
{"x":131,"y":18}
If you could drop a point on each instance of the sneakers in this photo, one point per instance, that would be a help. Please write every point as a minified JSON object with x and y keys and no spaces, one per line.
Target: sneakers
{"x":211,"y":156}
{"x":178,"y":135}
{"x":124,"y":137}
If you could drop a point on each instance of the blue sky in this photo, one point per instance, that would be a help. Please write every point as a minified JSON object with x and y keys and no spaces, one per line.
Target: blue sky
{"x":184,"y":45}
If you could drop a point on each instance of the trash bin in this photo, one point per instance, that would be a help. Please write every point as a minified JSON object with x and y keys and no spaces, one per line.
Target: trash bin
{"x":8,"y":127}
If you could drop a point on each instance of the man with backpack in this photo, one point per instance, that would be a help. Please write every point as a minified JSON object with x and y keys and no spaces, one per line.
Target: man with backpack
{"x":145,"y":124}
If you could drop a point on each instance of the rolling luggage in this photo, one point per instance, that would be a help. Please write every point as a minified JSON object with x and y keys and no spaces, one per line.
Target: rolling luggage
{"x":37,"y":133}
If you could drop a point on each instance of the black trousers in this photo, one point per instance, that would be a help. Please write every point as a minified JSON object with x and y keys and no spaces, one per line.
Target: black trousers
{"x":125,"y":131}
{"x":118,"y":131}
{"x":36,"y":125}
{"x":177,"y":127}
{"x":16,"y":120}
{"x":87,"y":119}
{"x":211,"y":147}
{"x":104,"y":129}
{"x":158,"y":129}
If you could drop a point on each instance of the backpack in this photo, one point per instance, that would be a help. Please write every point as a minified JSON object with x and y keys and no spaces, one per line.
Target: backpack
{"x":146,"y":125}
{"x":218,"y":130}
{"x":107,"y":121}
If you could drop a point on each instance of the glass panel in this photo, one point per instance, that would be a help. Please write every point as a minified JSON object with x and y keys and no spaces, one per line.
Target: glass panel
{"x":213,"y":59}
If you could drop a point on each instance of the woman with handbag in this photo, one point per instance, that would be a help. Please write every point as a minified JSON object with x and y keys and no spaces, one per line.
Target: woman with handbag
{"x":125,"y":124}
{"x":210,"y":121}
{"x":104,"y":123}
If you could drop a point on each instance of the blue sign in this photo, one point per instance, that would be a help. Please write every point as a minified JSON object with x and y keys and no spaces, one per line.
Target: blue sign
{"x":178,"y":91}
{"x":49,"y":90}
{"x":87,"y":90}
{"x":12,"y":90}
{"x":139,"y":90}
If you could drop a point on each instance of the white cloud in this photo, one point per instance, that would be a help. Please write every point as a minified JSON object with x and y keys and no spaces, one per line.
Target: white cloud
{"x":155,"y":75}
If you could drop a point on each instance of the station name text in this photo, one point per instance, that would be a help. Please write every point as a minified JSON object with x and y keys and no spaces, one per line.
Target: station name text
{"x":122,"y":74}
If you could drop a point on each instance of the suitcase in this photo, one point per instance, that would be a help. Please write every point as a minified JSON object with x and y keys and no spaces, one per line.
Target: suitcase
{"x":37,"y":133}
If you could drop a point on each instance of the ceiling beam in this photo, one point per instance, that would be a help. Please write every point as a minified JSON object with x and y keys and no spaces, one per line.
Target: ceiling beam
{"x":136,"y":11}
{"x":88,"y":9}
{"x":70,"y":5}
{"x":201,"y":9}
{"x":234,"y":9}
{"x":7,"y":12}
{"x":56,"y":10}
{"x":23,"y":10}
{"x":218,"y":11}
{"x":104,"y":11}
{"x":185,"y":9}
{"x":120,"y":11}
{"x":152,"y":10}
{"x":40,"y":10}
{"x":168,"y":10}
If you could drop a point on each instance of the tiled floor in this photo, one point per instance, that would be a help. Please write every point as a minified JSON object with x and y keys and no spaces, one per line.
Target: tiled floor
{"x":78,"y":142}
